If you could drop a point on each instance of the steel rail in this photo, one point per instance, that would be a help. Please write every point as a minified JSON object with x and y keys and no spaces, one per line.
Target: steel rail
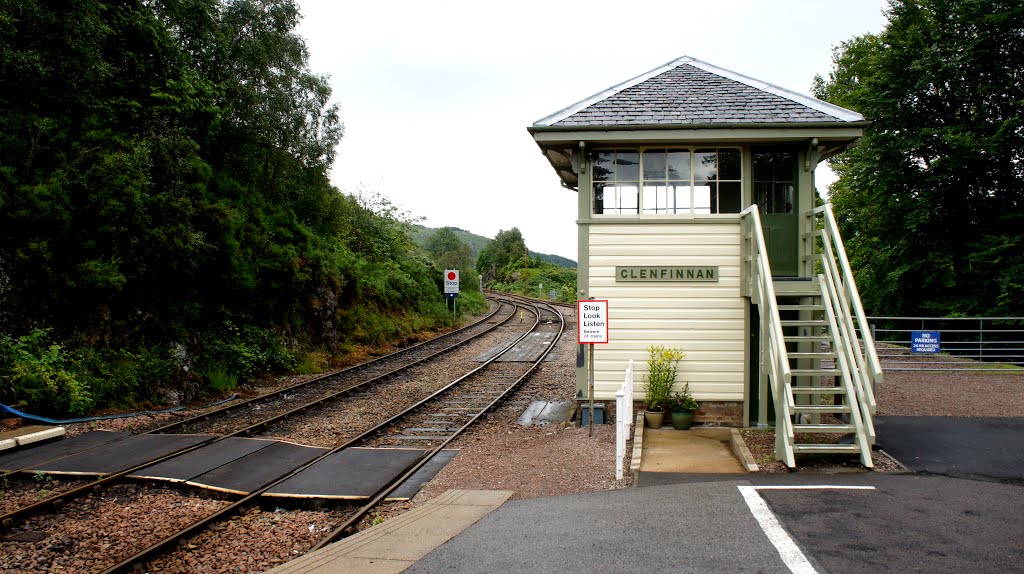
{"x":361,"y":366}
{"x":159,"y":548}
{"x":416,"y":466}
{"x":56,"y":502}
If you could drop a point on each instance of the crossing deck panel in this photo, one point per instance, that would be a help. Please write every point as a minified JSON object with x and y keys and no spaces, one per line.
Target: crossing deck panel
{"x":256,"y":469}
{"x":203,"y":460}
{"x":353,"y":474}
{"x":415,"y":482}
{"x":54,"y":450}
{"x":526,"y":351}
{"x":113,"y":457}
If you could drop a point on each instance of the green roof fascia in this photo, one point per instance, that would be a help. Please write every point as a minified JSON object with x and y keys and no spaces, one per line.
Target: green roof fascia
{"x":738,"y":133}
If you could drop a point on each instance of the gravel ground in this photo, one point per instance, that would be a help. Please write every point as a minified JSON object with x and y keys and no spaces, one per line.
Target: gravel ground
{"x":498,"y":454}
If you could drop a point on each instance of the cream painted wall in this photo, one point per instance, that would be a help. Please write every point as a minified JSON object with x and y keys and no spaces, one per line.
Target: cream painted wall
{"x":705,"y":319}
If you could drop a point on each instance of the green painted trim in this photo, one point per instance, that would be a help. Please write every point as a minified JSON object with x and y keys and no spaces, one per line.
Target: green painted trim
{"x":720,"y":219}
{"x":584,"y":200}
{"x":535,"y":129}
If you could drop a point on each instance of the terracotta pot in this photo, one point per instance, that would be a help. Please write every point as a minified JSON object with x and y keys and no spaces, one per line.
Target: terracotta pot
{"x":654,"y":419}
{"x":682,"y":420}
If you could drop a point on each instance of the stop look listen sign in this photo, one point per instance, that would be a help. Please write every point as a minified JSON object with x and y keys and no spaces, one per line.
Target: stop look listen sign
{"x":592,"y":318}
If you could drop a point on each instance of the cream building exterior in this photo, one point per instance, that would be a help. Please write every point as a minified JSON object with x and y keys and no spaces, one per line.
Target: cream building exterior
{"x":666,"y":166}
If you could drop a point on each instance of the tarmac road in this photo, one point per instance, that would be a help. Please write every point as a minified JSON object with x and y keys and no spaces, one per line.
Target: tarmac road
{"x":962,"y":512}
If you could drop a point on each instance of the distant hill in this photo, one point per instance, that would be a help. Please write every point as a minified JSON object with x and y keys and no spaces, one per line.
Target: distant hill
{"x":420,"y":234}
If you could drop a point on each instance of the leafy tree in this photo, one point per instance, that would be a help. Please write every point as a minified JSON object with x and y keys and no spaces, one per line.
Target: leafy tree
{"x":931,"y":199}
{"x":507,"y":246}
{"x":448,"y":250}
{"x":164,"y":195}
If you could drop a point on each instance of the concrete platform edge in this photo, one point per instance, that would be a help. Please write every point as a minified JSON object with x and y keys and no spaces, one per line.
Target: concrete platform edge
{"x":739,"y":448}
{"x":638,"y":446}
{"x":385,"y":548}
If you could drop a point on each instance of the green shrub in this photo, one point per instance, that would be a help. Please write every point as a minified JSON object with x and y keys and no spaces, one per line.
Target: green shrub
{"x":662,"y":367}
{"x":310,"y":362}
{"x":221,"y":380}
{"x":41,"y":376}
{"x":247,"y":351}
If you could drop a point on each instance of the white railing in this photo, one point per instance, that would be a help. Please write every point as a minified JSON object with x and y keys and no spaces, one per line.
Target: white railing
{"x":836,"y":268}
{"x":845,"y":349}
{"x":774,"y":369}
{"x":623,"y":420}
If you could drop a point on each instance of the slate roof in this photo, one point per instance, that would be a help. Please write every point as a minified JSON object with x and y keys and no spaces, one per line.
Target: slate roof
{"x":687,"y":91}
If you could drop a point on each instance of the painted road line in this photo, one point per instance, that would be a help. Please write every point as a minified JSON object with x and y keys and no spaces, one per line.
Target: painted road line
{"x":788,"y":550}
{"x":810,"y":487}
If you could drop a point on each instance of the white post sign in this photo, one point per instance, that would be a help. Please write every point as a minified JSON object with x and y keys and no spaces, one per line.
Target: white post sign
{"x":592,"y":318}
{"x":451,"y":281}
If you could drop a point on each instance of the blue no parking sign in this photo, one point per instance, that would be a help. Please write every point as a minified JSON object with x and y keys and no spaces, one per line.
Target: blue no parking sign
{"x":924,"y":342}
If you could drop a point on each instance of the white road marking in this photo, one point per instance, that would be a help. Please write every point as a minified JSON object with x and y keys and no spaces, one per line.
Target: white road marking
{"x":790,"y":553}
{"x":811,"y":487}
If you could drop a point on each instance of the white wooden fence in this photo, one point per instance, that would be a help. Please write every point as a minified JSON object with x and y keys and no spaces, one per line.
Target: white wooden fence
{"x":623,"y":419}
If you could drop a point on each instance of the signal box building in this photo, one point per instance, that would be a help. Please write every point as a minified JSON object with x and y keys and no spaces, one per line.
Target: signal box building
{"x":699,"y":223}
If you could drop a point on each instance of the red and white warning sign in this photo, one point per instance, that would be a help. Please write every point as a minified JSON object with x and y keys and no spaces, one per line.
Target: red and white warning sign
{"x":451,"y":281}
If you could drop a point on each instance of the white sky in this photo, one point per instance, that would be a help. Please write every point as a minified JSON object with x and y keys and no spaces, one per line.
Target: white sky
{"x":436,"y":96}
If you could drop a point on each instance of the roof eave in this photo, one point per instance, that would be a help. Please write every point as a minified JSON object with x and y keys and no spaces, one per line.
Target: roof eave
{"x":707,"y":126}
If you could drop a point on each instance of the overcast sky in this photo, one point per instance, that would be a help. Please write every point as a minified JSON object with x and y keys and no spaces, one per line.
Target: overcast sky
{"x":436,"y":96}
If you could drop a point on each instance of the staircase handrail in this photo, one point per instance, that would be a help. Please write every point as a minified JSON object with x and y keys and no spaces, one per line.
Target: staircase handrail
{"x":831,"y":232}
{"x":844,"y":316}
{"x":844,"y":347}
{"x":773,"y":343}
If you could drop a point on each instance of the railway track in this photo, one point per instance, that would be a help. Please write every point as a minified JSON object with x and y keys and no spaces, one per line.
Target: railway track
{"x":251,"y":417}
{"x":429,"y":424}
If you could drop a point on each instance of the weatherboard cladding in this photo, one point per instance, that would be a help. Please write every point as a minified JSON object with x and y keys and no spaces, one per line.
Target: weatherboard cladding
{"x":687,"y":94}
{"x":705,"y":319}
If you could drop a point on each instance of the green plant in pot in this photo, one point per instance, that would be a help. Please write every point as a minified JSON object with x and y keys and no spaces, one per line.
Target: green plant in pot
{"x":662,"y":367}
{"x":683,"y":407}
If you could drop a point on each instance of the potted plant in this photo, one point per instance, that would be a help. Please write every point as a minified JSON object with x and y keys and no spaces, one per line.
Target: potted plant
{"x":662,"y":366}
{"x":683,"y":406}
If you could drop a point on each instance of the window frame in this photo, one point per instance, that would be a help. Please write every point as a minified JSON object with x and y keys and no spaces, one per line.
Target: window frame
{"x":643,"y":184}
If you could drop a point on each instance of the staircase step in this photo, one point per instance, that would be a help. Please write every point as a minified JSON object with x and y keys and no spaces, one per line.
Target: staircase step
{"x":818,"y":390}
{"x":815,"y":372}
{"x":804,"y":323}
{"x":796,"y":288}
{"x":825,"y":448}
{"x":794,"y":307}
{"x":807,"y":338}
{"x":819,"y":355}
{"x":824,"y":428}
{"x":821,"y":409}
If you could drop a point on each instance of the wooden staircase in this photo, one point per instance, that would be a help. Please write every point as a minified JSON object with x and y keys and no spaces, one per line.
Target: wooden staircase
{"x":823,"y":397}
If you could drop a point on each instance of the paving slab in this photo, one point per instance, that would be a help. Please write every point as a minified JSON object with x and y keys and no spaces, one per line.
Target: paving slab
{"x":54,"y":450}
{"x":542,"y":413}
{"x":676,"y":451}
{"x":395,"y":545}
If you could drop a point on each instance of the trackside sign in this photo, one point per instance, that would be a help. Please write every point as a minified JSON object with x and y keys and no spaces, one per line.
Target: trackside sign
{"x":925,"y":342}
{"x":451,"y":281}
{"x":592,"y":318}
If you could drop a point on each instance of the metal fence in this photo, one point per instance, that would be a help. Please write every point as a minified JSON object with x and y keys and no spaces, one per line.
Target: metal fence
{"x":991,"y":344}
